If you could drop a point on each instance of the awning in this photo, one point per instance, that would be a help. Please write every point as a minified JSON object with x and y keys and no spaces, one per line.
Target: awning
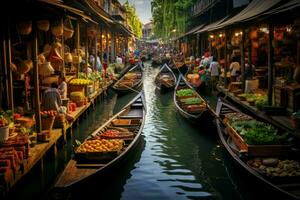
{"x":193,"y":30}
{"x":209,"y":26}
{"x":252,"y":11}
{"x":285,"y":7}
{"x":68,"y":8}
{"x":99,"y":11}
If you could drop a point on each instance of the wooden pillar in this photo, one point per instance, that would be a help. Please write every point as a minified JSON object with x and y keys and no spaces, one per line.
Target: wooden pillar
{"x":101,"y":43}
{"x":36,"y":81}
{"x":107,"y":47}
{"x":197,"y":45}
{"x":9,"y":72}
{"x":6,"y":68}
{"x":77,"y":41}
{"x":270,"y":64}
{"x":63,"y":70}
{"x":96,"y":50}
{"x":86,"y":48}
{"x":242,"y":46}
{"x":225,"y":59}
{"x":112,"y":47}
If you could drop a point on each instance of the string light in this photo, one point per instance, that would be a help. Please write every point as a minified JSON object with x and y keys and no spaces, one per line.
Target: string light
{"x":211,"y":36}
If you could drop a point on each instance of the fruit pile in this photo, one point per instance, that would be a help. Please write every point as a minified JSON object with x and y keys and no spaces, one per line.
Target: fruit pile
{"x":115,"y":134}
{"x":100,"y":145}
{"x":80,"y":81}
{"x":48,"y":113}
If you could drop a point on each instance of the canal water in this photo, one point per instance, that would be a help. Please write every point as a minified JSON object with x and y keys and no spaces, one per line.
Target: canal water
{"x":174,"y":160}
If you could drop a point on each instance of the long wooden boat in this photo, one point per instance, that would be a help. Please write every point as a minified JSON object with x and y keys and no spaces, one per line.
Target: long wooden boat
{"x":191,"y":111}
{"x":280,"y":187}
{"x":165,"y":79}
{"x":131,"y":81}
{"x":88,"y":164}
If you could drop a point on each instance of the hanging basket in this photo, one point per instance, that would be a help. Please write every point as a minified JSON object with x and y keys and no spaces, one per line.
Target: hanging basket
{"x":68,"y":28}
{"x":43,"y":25}
{"x":57,"y":29}
{"x":46,"y":69}
{"x":25,"y":28}
{"x":68,"y":58}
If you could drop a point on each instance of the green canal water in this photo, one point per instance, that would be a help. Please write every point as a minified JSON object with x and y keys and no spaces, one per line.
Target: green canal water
{"x":174,"y":160}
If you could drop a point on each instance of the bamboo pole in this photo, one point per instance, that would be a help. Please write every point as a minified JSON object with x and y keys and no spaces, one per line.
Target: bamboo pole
{"x":107,"y":47}
{"x":101,"y":43}
{"x":63,"y":71}
{"x":112,"y":47}
{"x":96,"y":51}
{"x":5,"y":68}
{"x":77,"y":40}
{"x":242,"y":46}
{"x":9,"y":72}
{"x":86,"y":49}
{"x":36,"y":81}
{"x":225,"y":59}
{"x":270,"y":64}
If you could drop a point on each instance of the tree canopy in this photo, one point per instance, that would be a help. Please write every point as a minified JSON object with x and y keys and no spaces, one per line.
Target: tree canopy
{"x":133,"y":20}
{"x":170,"y":17}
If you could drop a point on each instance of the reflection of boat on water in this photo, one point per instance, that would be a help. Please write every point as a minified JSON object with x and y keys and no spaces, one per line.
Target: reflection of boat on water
{"x":165,"y":79}
{"x":281,"y":187}
{"x":89,"y":164}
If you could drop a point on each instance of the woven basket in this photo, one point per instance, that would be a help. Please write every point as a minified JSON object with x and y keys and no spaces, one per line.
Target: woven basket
{"x":43,"y":25}
{"x":47,"y":123}
{"x":68,"y":33}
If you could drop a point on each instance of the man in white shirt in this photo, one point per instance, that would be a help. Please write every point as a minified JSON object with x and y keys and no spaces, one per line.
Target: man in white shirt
{"x":235,"y":69}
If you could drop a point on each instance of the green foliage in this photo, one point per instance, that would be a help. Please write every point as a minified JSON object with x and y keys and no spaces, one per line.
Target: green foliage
{"x":184,"y":92}
{"x":133,"y":20}
{"x":170,"y":17}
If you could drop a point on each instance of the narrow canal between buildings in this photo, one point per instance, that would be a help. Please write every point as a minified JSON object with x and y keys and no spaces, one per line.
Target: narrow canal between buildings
{"x":175,"y":160}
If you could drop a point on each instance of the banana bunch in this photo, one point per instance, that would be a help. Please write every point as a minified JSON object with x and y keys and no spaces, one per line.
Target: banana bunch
{"x":80,"y":81}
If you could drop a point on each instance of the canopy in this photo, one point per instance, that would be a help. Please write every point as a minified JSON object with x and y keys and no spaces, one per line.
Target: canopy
{"x":209,"y":26}
{"x":253,"y":10}
{"x":285,"y":7}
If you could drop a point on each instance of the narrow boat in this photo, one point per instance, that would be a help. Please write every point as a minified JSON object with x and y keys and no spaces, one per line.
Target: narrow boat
{"x":165,"y":79}
{"x":179,"y":67}
{"x":131,"y":81}
{"x":188,"y":102}
{"x":107,"y":147}
{"x":262,"y":168}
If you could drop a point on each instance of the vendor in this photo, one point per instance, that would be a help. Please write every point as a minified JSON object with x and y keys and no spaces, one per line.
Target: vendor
{"x":235,"y":69}
{"x":62,"y":87}
{"x":51,"y":98}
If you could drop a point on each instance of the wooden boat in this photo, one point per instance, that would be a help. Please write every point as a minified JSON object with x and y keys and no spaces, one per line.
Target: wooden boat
{"x":156,"y":61}
{"x":88,"y":165}
{"x":165,"y":79}
{"x":280,"y":187}
{"x":131,"y":81}
{"x":178,"y":66}
{"x":192,"y":111}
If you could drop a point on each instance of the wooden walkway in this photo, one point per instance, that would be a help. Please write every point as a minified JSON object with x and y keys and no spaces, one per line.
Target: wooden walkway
{"x":37,"y":153}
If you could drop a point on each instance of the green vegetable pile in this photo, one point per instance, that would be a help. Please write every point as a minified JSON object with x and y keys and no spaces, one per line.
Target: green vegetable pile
{"x":258,"y":133}
{"x":184,"y":92}
{"x":191,"y":101}
{"x":259,"y":101}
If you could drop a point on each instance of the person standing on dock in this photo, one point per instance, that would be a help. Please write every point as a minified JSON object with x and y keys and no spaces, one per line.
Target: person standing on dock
{"x":234,"y":69}
{"x":214,"y":69}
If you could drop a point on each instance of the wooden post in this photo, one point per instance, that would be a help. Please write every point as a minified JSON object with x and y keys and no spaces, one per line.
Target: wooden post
{"x":225,"y":59}
{"x":270,"y":64}
{"x":86,"y":49}
{"x":101,"y":43}
{"x":36,"y":81}
{"x":9,"y":72}
{"x":107,"y":47}
{"x":63,"y":71}
{"x":96,"y":51}
{"x":112,"y":47}
{"x":242,"y":46}
{"x":197,"y":45}
{"x":5,"y":69}
{"x":77,"y":40}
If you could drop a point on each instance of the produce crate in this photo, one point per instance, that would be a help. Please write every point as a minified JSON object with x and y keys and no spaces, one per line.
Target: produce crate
{"x":76,"y":88}
{"x":256,"y":150}
{"x":126,"y":122}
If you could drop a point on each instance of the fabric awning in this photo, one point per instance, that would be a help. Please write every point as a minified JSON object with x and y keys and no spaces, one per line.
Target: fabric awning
{"x":252,"y":11}
{"x":193,"y":30}
{"x":285,"y":7}
{"x":209,"y":26}
{"x":68,"y":8}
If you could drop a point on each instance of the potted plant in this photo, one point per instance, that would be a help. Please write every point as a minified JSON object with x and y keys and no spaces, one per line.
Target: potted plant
{"x":295,"y":119}
{"x":6,"y":122}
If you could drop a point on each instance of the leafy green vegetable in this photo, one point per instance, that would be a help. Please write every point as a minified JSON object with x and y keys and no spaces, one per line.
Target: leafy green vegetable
{"x":184,"y":92}
{"x":193,"y":100}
